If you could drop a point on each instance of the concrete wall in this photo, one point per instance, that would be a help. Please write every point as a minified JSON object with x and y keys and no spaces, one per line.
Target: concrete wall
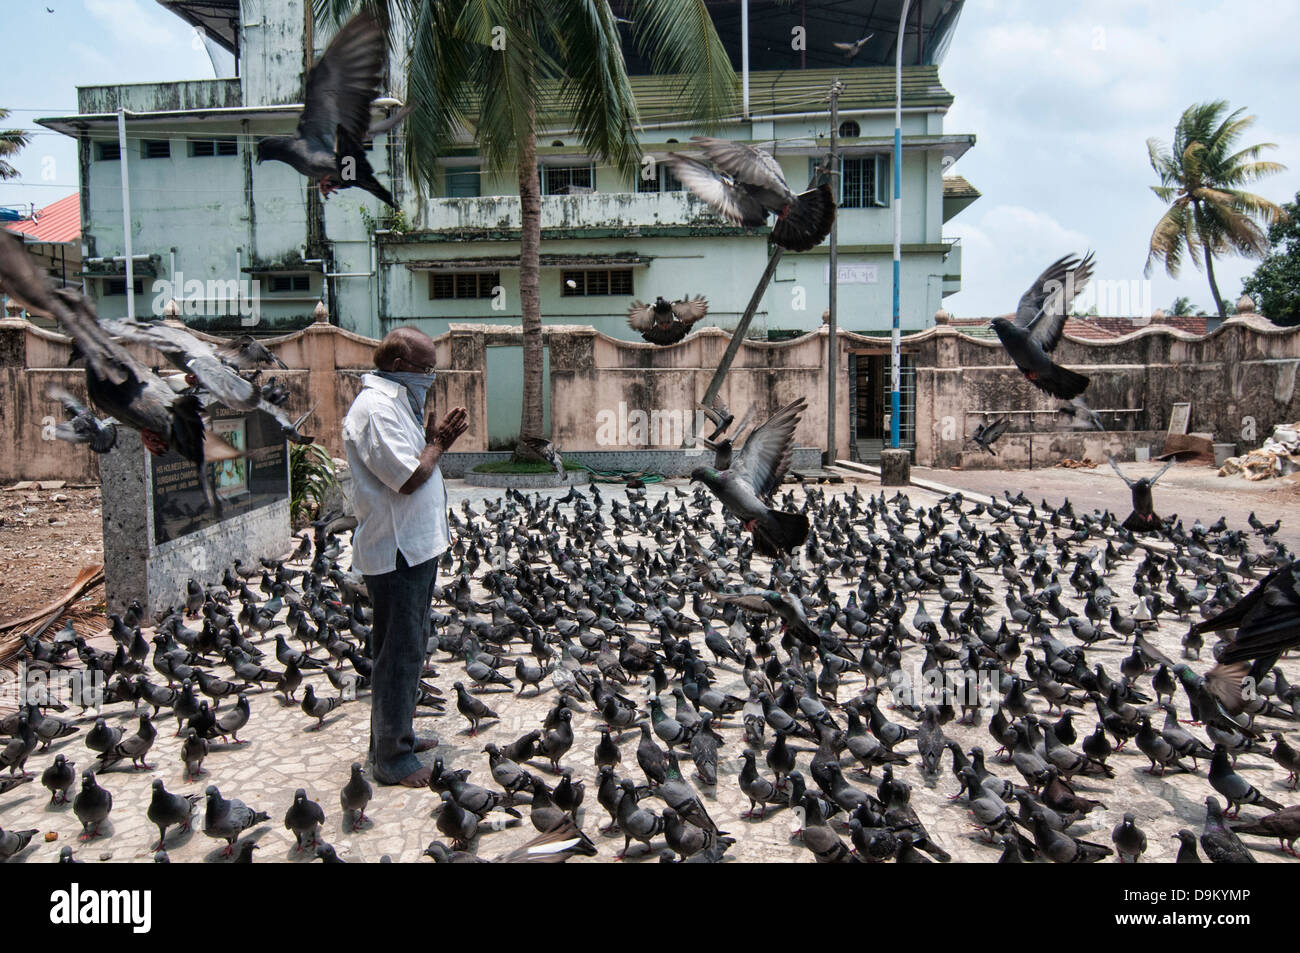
{"x":598,"y":387}
{"x":1246,"y":368}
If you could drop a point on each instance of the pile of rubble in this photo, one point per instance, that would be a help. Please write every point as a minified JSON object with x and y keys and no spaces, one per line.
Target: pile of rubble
{"x":1279,"y":456}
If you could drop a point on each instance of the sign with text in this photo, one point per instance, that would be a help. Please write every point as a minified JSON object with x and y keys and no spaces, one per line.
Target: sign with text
{"x":257,"y":478}
{"x":859,"y":274}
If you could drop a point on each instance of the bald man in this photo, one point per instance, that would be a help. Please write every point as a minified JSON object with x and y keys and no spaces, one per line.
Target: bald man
{"x":401,"y":508}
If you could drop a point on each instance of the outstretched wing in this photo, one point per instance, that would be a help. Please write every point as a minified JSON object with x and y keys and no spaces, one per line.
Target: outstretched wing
{"x":763,"y":460}
{"x":343,"y":82}
{"x":1162,"y":472}
{"x":246,"y":352}
{"x":1115,"y":466}
{"x":744,"y":163}
{"x":718,"y":412}
{"x":721,"y":194}
{"x":26,"y":282}
{"x":640,"y":317}
{"x":749,"y":601}
{"x":194,"y":355}
{"x":1044,"y":308}
{"x":690,"y":310}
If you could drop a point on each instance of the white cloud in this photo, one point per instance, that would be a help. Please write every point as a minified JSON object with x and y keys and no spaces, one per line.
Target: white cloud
{"x":1062,"y":101}
{"x":129,"y":23}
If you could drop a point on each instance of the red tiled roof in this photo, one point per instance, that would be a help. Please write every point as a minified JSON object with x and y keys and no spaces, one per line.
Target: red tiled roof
{"x":1081,"y":329}
{"x":55,"y":224}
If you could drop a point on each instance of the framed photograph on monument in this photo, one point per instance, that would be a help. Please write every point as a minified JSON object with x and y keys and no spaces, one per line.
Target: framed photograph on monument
{"x":231,"y":476}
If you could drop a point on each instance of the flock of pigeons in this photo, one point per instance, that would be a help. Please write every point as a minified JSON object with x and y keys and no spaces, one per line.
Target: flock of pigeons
{"x":662,"y":636}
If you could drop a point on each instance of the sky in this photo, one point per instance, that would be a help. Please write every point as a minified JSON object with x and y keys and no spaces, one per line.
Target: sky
{"x":1061,"y":98}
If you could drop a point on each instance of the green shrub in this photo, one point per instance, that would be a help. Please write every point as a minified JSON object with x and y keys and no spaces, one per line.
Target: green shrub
{"x":311,"y":475}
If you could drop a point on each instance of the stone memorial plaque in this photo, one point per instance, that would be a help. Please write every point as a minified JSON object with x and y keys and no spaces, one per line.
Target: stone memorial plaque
{"x":257,"y":478}
{"x":1179,"y":417}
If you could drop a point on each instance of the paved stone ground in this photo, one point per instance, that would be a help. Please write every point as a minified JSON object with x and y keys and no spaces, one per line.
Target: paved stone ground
{"x":282,"y":755}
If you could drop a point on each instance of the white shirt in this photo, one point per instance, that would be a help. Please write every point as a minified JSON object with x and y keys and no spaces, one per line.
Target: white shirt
{"x":383,"y":440}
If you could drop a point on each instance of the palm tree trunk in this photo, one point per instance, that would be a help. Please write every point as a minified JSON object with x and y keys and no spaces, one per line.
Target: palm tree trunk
{"x":530,"y":302}
{"x":1214,"y":285}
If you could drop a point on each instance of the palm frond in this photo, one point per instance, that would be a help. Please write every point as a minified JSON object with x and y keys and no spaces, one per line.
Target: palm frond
{"x":678,"y":37}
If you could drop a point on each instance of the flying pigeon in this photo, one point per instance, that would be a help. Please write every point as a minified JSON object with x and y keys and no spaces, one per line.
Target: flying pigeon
{"x":81,"y":425}
{"x":747,"y":183}
{"x":247,"y":353}
{"x":1039,"y":322}
{"x":335,"y":121}
{"x":201,"y":359}
{"x":851,"y":50}
{"x":116,"y":382}
{"x":754,"y":475}
{"x":987,"y":434}
{"x":666,"y":322}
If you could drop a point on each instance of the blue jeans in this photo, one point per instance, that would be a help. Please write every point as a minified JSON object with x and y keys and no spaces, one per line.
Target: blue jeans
{"x":398,"y":638}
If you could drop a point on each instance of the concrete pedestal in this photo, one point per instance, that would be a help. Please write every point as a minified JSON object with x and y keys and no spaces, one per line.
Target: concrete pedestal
{"x":895,"y":468}
{"x":139,"y":566}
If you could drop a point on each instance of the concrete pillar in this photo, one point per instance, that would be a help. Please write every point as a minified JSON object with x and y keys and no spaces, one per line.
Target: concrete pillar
{"x":895,"y":468}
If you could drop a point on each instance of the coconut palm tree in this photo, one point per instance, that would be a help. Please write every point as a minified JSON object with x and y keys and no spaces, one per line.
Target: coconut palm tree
{"x":500,"y":69}
{"x":1201,"y":179}
{"x":11,"y":140}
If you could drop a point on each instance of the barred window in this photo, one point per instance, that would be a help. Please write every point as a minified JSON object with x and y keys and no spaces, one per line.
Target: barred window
{"x":107,"y":151}
{"x":566,"y":179}
{"x":204,"y":148}
{"x":445,"y":285}
{"x":156,"y":148}
{"x":608,"y":281}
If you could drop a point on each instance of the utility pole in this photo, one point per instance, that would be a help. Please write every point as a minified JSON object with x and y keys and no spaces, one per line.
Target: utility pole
{"x":895,"y":344}
{"x":738,"y":335}
{"x":126,"y":213}
{"x":833,"y":280}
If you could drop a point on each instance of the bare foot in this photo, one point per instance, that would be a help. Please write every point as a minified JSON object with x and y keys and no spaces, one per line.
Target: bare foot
{"x":417,"y":779}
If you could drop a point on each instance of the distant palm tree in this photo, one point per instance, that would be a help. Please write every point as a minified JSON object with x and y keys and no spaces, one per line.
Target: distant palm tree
{"x":1201,"y":178}
{"x":499,"y":69}
{"x":11,"y":140}
{"x":1181,"y":307}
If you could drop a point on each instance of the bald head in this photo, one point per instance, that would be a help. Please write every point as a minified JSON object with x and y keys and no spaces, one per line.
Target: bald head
{"x":405,"y":349}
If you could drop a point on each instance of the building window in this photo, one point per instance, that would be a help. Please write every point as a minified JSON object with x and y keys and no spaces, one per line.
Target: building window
{"x":850,"y":129}
{"x":117,"y":286}
{"x":567,"y":179}
{"x":864,"y":182}
{"x":617,"y":281}
{"x":202,"y":148}
{"x":463,"y":183}
{"x":107,"y":151}
{"x":445,"y":285}
{"x":282,"y":283}
{"x":156,"y":148}
{"x":662,"y":180}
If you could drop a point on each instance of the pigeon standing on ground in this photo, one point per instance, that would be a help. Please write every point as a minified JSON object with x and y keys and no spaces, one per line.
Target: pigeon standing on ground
{"x":14,"y":842}
{"x":225,"y":819}
{"x":354,"y":797}
{"x":167,"y":809}
{"x":304,"y":818}
{"x":1220,"y":844}
{"x":91,"y":805}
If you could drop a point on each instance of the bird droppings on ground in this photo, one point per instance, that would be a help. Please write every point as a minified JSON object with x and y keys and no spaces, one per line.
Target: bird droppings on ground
{"x":617,"y":552}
